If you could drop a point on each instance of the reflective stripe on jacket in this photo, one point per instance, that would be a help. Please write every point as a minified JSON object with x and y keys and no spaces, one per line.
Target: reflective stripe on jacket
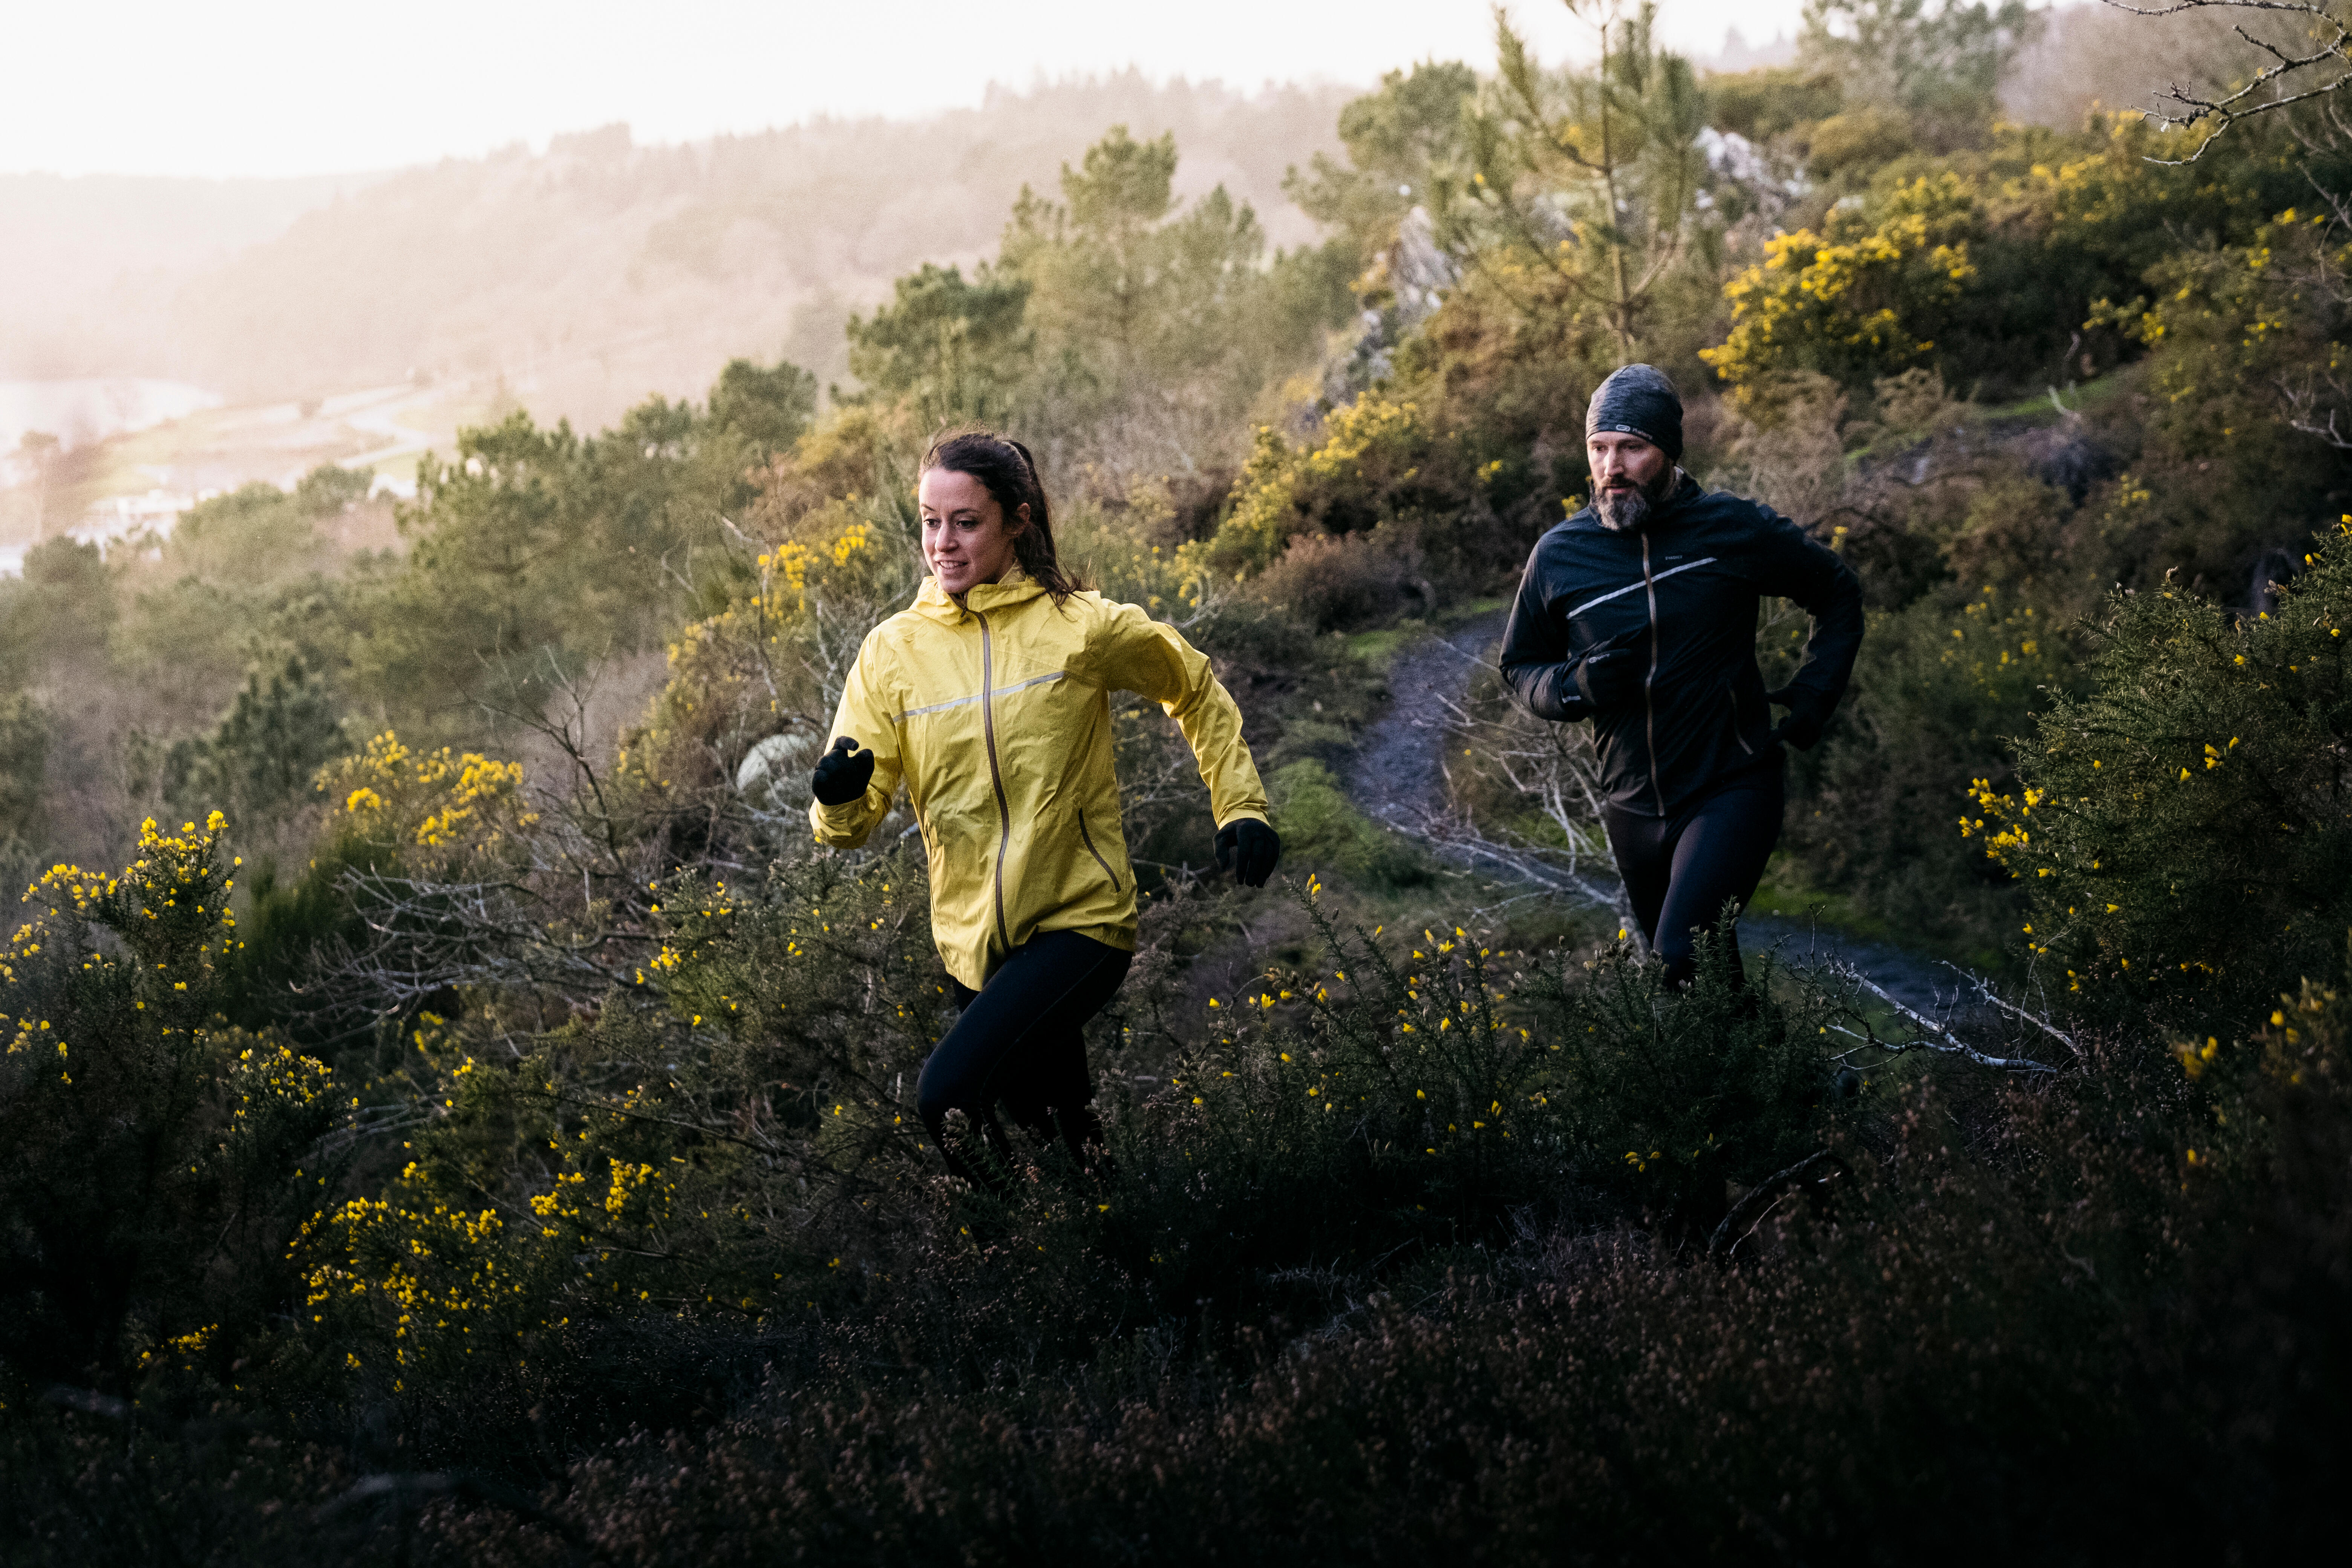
{"x":996,"y":712}
{"x":1681,"y":592}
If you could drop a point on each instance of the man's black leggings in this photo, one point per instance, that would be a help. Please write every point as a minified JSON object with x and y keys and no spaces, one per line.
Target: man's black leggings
{"x":1679,"y":869}
{"x":1020,"y":1041}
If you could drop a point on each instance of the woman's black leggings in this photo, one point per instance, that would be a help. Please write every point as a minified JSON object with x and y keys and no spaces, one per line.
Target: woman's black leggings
{"x":1679,"y":869}
{"x":1020,"y":1041}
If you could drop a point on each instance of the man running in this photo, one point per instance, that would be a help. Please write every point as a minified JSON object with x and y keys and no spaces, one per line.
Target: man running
{"x":1639,"y":613}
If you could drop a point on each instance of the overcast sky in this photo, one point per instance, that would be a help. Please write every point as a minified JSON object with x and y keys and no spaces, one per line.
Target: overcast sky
{"x":265,"y":87}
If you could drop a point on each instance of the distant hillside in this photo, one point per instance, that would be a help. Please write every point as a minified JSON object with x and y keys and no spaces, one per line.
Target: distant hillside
{"x":599,"y":271}
{"x":93,"y":262}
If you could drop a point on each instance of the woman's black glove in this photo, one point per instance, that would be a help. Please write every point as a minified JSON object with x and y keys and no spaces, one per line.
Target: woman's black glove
{"x":842,"y":774}
{"x":1251,"y":848}
{"x":1807,"y":714}
{"x":1609,"y":677}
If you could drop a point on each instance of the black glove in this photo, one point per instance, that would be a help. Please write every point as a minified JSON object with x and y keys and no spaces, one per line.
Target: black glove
{"x":1251,"y":848}
{"x":842,"y":774}
{"x":1609,"y":677}
{"x":1807,"y":714}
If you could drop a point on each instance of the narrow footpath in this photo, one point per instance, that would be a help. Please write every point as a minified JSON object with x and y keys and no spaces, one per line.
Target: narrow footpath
{"x":1397,"y":777}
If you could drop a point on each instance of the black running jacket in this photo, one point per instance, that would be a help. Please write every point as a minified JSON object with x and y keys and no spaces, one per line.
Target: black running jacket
{"x":1682,"y":592}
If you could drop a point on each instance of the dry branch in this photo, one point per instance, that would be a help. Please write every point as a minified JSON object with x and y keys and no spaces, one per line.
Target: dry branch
{"x":2328,"y":56}
{"x":1935,"y":1035}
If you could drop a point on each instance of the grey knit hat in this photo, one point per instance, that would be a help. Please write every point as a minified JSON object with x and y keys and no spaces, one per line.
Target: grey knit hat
{"x":1639,"y":400}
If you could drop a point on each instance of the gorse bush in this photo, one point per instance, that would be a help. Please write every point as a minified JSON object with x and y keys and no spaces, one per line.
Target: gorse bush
{"x":663,"y":1158}
{"x":1714,"y":1088}
{"x":1867,"y":297}
{"x":737,"y":1144}
{"x":1576,"y":1086}
{"x":1442,"y":505}
{"x":729,"y":1147}
{"x":430,"y":807}
{"x":152,"y":1156}
{"x":2182,"y":829}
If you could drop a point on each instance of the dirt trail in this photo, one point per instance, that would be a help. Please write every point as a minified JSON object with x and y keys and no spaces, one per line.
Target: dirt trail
{"x":1397,"y":777}
{"x":1398,"y":773}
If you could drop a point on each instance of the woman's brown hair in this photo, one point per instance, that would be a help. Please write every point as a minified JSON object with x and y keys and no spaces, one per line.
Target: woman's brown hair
{"x":1006,"y":470}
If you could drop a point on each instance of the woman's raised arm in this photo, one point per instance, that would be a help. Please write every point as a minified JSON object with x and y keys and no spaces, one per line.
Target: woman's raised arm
{"x":1132,"y":652}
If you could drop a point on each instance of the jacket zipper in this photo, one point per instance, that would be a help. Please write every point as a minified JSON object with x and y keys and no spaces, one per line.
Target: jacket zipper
{"x":1649,"y":701}
{"x":1089,"y":840}
{"x":995,"y":774}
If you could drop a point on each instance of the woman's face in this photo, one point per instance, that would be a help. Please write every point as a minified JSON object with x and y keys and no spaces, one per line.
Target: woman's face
{"x":966,"y":540}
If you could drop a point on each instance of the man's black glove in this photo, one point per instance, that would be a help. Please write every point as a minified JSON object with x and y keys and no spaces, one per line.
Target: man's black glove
{"x":842,"y":774}
{"x":1251,"y":848}
{"x":1609,"y":677}
{"x":1807,"y":714}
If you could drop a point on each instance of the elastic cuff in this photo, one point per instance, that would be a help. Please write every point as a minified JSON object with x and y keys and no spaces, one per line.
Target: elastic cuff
{"x":1566,"y":695}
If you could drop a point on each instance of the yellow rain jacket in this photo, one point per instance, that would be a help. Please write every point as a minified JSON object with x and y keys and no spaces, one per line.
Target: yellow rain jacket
{"x":996,"y":712}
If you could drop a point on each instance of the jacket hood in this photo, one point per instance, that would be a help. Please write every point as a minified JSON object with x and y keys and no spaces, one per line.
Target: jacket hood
{"x":1014,"y":587}
{"x":1685,"y":490}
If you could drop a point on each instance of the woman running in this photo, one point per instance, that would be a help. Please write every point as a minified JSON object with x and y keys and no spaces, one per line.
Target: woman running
{"x":990,"y":697}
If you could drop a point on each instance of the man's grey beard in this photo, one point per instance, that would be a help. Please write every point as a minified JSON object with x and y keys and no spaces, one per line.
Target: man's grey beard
{"x":1620,"y":510}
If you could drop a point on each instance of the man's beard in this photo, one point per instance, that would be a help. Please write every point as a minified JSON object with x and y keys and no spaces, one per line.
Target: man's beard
{"x":1621,"y":510}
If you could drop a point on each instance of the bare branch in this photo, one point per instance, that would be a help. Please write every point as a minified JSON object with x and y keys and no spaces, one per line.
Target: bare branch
{"x":2030,"y":1020}
{"x":1751,"y":1211}
{"x":2266,"y":91}
{"x":1938,"y":1036}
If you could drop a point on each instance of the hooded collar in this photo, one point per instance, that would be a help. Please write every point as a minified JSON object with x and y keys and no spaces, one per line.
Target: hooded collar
{"x":1685,"y":490}
{"x":1014,"y":587}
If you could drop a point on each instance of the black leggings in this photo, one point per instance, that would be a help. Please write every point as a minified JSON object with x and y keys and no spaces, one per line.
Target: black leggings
{"x":1679,"y":869}
{"x":1020,"y":1041}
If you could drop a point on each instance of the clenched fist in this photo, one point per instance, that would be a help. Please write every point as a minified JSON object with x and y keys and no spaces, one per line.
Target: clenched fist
{"x":1250,"y":849}
{"x":842,"y":774}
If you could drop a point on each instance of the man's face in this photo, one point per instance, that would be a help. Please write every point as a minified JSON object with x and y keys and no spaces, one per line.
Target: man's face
{"x":1622,"y":462}
{"x":1629,"y":475}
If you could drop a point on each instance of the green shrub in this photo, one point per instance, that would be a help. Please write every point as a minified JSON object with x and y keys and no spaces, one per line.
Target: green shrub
{"x":1939,"y":688}
{"x":265,"y":750}
{"x":1669,"y":1100}
{"x":1371,"y":1277}
{"x":24,"y":768}
{"x":2181,"y":829}
{"x":151,"y":1162}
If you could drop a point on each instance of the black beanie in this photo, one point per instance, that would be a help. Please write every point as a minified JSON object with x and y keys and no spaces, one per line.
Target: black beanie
{"x":1638,"y":401}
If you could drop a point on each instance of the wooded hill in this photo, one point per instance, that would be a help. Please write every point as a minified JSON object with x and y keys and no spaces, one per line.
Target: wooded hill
{"x":599,"y":271}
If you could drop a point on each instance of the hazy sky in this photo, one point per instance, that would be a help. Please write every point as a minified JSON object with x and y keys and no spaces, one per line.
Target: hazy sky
{"x":263,"y":87}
